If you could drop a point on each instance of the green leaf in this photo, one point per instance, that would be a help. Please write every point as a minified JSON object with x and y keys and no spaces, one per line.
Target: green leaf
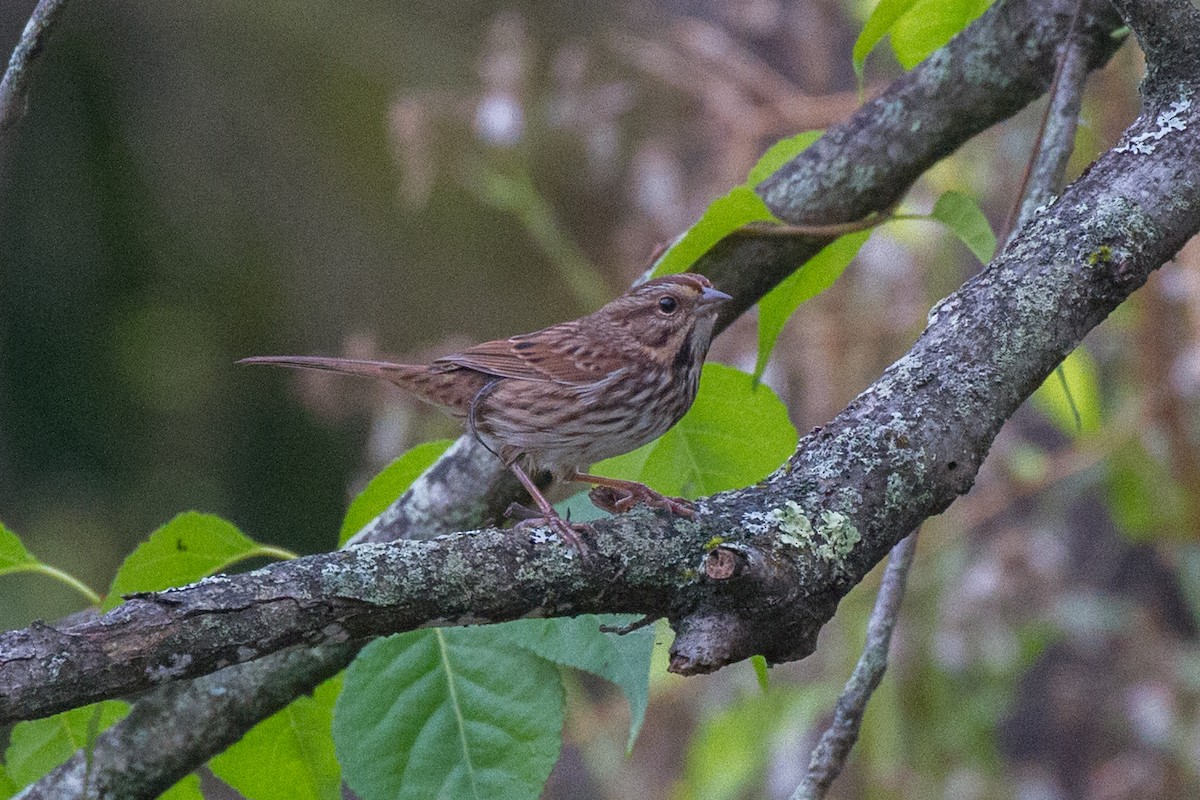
{"x":38,"y":746}
{"x":962,"y":216}
{"x":760,"y":672}
{"x":929,"y":24}
{"x":7,"y":787}
{"x":388,"y":485}
{"x":189,"y":547}
{"x":813,"y":277}
{"x":448,"y":713}
{"x":734,"y":435}
{"x":13,"y":555}
{"x":579,"y":643}
{"x":723,"y":216}
{"x":779,"y":154}
{"x":187,"y":789}
{"x":1081,"y":394}
{"x":289,"y":754}
{"x":878,"y":25}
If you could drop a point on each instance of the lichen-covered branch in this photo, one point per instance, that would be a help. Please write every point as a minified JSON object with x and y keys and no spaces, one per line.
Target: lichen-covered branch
{"x":791,"y":546}
{"x":14,"y":86}
{"x":830,"y":754}
{"x":924,"y":116}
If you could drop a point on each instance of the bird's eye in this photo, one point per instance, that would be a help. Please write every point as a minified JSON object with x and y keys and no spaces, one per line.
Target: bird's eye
{"x":668,"y":304}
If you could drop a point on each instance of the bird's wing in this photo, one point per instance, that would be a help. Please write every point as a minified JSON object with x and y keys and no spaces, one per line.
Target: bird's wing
{"x":557,"y":354}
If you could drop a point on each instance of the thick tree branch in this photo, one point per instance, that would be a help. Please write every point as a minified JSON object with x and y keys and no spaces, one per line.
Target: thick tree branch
{"x":747,"y":267}
{"x":793,"y":545}
{"x":14,"y":86}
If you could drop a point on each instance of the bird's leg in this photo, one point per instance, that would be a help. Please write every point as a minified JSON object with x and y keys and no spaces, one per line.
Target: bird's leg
{"x":618,"y":496}
{"x":568,"y":531}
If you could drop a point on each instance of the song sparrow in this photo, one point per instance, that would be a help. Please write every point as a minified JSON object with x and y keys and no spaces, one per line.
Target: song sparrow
{"x":564,"y":397}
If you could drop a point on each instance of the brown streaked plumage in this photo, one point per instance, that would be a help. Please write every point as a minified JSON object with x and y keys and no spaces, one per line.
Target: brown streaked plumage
{"x":572,"y":394}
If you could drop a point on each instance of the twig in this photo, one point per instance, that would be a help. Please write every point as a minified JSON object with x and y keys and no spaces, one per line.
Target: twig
{"x":1047,"y":166}
{"x":14,"y":87}
{"x":829,"y":757}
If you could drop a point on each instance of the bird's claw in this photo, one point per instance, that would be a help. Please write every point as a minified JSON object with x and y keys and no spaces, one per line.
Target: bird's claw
{"x":569,"y":532}
{"x":618,"y":500}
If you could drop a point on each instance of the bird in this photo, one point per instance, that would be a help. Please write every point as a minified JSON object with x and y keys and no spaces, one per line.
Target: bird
{"x":564,"y":397}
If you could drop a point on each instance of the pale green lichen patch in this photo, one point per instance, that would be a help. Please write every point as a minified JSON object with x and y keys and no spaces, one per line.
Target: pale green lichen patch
{"x":831,"y":539}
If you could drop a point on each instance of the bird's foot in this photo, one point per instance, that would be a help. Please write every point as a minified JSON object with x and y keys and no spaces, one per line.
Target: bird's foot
{"x":617,"y":498}
{"x":569,"y":532}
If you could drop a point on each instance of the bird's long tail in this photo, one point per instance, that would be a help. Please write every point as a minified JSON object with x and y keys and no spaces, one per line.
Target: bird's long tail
{"x":400,"y":374}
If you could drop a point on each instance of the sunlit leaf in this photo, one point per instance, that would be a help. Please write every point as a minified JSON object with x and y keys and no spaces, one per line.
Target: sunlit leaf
{"x":13,"y":555}
{"x":723,"y":216}
{"x":962,"y":216}
{"x":578,"y":642}
{"x":929,"y":24}
{"x":779,"y":154}
{"x":7,"y":787}
{"x":289,"y":755}
{"x":813,"y":277}
{"x":734,"y":435}
{"x":1081,"y":395}
{"x":878,"y":25}
{"x":388,"y":485}
{"x":189,"y":547}
{"x":38,"y":746}
{"x":448,"y":713}
{"x":187,"y":789}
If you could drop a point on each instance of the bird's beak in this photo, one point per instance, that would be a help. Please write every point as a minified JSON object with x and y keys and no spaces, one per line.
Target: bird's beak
{"x":712,"y":297}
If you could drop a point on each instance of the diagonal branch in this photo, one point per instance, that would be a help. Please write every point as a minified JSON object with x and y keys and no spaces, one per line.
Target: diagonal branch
{"x":926,"y":113}
{"x":792,"y":545}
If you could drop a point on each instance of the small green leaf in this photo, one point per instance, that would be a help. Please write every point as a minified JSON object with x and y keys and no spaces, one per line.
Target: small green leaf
{"x":734,"y":435}
{"x":962,"y":216}
{"x":760,"y":672}
{"x":813,"y":277}
{"x":779,"y":154}
{"x":187,"y":789}
{"x":37,"y":746}
{"x":189,"y":547}
{"x":878,"y":25}
{"x":723,"y":216}
{"x":448,"y":713}
{"x":388,"y":485}
{"x":579,"y":643}
{"x":13,"y":555}
{"x":929,"y":24}
{"x":289,"y":754}
{"x":1080,"y":395}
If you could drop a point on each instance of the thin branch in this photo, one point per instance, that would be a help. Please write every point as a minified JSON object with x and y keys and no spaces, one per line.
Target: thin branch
{"x":1056,"y":137}
{"x":14,"y":87}
{"x":831,"y":752}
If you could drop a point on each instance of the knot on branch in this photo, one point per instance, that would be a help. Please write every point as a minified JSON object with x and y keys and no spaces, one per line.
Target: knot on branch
{"x":758,"y":602}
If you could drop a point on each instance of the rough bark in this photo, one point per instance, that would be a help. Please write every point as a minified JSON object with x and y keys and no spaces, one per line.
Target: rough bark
{"x":901,"y":452}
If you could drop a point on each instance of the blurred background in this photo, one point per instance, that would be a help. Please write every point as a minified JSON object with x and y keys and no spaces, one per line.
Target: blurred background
{"x":198,"y":182}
